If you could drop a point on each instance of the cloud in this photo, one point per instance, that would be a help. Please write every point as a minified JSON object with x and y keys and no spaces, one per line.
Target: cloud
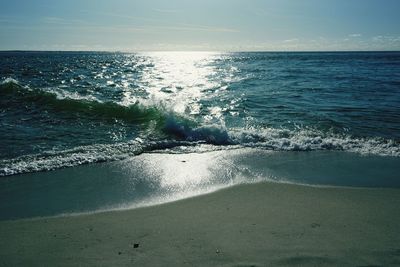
{"x":8,"y":20}
{"x":167,"y":10}
{"x":58,"y":21}
{"x":192,"y":27}
{"x":355,"y":35}
{"x":160,"y":24}
{"x":260,"y":12}
{"x":293,"y":40}
{"x":386,"y":39}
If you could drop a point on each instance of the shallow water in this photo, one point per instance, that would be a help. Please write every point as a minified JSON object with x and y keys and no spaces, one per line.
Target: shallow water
{"x":154,"y":178}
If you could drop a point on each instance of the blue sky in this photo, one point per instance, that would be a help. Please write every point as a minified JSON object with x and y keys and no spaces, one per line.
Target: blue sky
{"x":288,"y":25}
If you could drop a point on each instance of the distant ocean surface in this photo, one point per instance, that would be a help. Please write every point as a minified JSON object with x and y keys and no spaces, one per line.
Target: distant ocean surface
{"x":88,"y":131}
{"x":61,"y":109}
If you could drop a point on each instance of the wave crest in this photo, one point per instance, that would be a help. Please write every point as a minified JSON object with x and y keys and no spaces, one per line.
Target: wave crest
{"x":310,"y":140}
{"x":84,"y":107}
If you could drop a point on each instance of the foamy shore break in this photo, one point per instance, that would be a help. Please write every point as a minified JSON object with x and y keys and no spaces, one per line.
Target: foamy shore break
{"x":264,"y":224}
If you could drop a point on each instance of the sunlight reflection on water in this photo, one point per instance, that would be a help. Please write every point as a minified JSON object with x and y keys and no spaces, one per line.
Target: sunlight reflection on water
{"x":179,"y":81}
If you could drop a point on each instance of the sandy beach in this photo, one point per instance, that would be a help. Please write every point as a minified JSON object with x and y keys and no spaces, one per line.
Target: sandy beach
{"x":264,"y":224}
{"x":200,"y":133}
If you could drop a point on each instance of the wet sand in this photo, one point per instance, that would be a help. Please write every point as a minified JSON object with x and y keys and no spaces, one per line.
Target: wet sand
{"x":265,"y":224}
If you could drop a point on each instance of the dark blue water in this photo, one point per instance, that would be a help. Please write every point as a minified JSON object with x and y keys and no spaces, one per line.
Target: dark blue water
{"x":61,"y":109}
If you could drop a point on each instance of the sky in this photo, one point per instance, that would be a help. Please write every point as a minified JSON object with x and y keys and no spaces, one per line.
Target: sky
{"x":206,"y":25}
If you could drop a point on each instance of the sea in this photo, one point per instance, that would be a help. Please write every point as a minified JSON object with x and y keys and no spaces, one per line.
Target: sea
{"x":93,"y":131}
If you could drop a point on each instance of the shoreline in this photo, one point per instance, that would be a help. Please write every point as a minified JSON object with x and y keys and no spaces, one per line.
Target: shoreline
{"x":152,"y":178}
{"x":249,"y":224}
{"x":199,"y":195}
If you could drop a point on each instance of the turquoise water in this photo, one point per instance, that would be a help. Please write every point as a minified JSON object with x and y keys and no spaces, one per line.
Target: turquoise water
{"x":59,"y":110}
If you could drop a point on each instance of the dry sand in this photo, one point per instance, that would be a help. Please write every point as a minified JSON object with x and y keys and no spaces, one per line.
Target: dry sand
{"x":266,"y":224}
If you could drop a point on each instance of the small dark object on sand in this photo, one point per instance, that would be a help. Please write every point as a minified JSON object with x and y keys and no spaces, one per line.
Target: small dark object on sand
{"x":135,"y":245}
{"x":119,"y":252}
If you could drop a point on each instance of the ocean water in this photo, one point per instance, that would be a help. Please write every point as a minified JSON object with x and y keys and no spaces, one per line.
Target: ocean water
{"x":59,"y":110}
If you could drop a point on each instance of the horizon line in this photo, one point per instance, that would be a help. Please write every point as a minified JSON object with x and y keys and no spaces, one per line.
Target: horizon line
{"x":197,"y":51}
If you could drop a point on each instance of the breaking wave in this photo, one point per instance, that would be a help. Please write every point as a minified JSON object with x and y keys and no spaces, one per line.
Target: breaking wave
{"x":216,"y":138}
{"x":172,"y":131}
{"x":83,"y":106}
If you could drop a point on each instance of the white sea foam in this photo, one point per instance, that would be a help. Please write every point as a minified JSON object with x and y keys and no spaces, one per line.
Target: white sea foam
{"x":9,"y":80}
{"x":200,"y":139}
{"x":51,"y":160}
{"x":308,"y":140}
{"x":284,"y":140}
